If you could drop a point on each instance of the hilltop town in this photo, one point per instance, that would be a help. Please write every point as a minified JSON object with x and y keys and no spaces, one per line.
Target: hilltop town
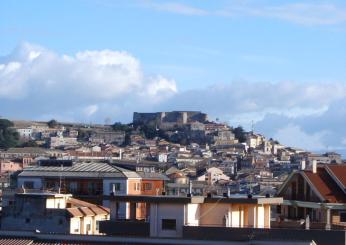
{"x":98,"y":174}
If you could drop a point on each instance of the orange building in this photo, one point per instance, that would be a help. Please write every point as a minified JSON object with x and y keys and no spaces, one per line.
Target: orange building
{"x":149,"y":184}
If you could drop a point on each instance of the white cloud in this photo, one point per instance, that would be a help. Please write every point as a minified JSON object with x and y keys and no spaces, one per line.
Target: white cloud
{"x":293,"y":135}
{"x":36,"y":74}
{"x":174,"y":7}
{"x":306,"y":14}
{"x":94,"y":74}
{"x":298,"y":12}
{"x":90,"y":110}
{"x":37,"y":83}
{"x":243,"y":100}
{"x":159,"y":87}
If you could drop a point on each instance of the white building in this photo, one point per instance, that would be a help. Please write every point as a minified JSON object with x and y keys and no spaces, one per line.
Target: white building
{"x":25,"y":134}
{"x":168,"y":216}
{"x":213,"y":175}
{"x":62,"y":141}
{"x":52,"y":212}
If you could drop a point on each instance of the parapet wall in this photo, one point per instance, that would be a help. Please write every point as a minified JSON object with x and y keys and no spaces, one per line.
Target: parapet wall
{"x":321,"y":237}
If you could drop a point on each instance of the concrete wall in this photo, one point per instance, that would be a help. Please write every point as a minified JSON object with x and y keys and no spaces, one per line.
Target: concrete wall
{"x":213,"y":214}
{"x":127,"y":228}
{"x":260,"y":217}
{"x":133,"y":188}
{"x":321,"y":237}
{"x":161,"y":211}
{"x":88,"y":223}
{"x":30,"y":220}
{"x":56,"y":202}
{"x":192,"y":214}
{"x":75,"y":225}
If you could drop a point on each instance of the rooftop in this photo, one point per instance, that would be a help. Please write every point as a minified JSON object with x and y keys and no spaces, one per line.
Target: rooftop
{"x":198,"y":199}
{"x":84,"y":169}
{"x":339,"y":171}
{"x":326,"y":186}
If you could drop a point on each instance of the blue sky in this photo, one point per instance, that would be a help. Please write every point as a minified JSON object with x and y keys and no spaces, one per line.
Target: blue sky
{"x":238,"y":60}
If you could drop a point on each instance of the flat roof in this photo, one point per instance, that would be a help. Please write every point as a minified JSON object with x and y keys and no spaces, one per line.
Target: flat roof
{"x":197,"y":199}
{"x":44,"y":194}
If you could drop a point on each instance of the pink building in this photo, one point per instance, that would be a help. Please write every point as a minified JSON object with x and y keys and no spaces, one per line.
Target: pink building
{"x":10,"y":166}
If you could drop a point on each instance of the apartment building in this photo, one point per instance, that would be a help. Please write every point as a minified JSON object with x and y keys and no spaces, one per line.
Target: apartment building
{"x":49,"y":212}
{"x":94,"y":182}
{"x":316,"y":195}
{"x":168,"y":216}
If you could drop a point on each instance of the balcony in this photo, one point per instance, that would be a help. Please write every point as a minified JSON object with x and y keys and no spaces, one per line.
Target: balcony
{"x":125,"y":228}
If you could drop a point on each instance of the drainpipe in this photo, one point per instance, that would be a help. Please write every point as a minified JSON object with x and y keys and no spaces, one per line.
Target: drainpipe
{"x":328,"y":226}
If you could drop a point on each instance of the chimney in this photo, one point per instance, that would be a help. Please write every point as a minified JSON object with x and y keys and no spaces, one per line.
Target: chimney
{"x":121,"y":154}
{"x":190,"y":187}
{"x":302,"y":165}
{"x":314,"y":166}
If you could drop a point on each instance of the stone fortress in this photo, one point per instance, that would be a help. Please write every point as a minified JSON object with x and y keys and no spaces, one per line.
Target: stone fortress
{"x":167,"y":120}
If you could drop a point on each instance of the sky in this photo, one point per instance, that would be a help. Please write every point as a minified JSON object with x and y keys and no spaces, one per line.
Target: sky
{"x":279,"y":65}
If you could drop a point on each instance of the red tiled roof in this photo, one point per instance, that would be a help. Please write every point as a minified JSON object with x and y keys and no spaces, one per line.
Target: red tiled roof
{"x":339,"y":171}
{"x":75,"y":212}
{"x":87,"y":211}
{"x":79,"y":203}
{"x":81,"y":208}
{"x":326,"y":186}
{"x":99,"y":210}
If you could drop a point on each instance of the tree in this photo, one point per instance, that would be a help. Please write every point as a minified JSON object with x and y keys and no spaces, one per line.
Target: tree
{"x":9,"y":137}
{"x":149,"y":132}
{"x":239,"y":134}
{"x":118,"y":126}
{"x":52,"y":123}
{"x":30,"y":143}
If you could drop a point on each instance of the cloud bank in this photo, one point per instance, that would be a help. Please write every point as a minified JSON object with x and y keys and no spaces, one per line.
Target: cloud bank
{"x":107,"y":85}
{"x":82,"y":86}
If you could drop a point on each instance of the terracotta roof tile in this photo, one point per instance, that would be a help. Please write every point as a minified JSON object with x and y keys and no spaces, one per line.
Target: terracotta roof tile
{"x":339,"y":171}
{"x":87,"y":211}
{"x":75,"y":212}
{"x":79,"y":203}
{"x":99,"y":210}
{"x":326,"y":186}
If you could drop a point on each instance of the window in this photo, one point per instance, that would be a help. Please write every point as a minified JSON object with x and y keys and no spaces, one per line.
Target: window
{"x":169,"y":224}
{"x":115,"y":187}
{"x":73,"y":187}
{"x":76,"y":230}
{"x":27,"y":220}
{"x":88,"y":227}
{"x":278,"y":209}
{"x":148,"y":186}
{"x":97,"y":225}
{"x":137,"y":186}
{"x":342,"y":216}
{"x":29,"y":184}
{"x":91,"y":187}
